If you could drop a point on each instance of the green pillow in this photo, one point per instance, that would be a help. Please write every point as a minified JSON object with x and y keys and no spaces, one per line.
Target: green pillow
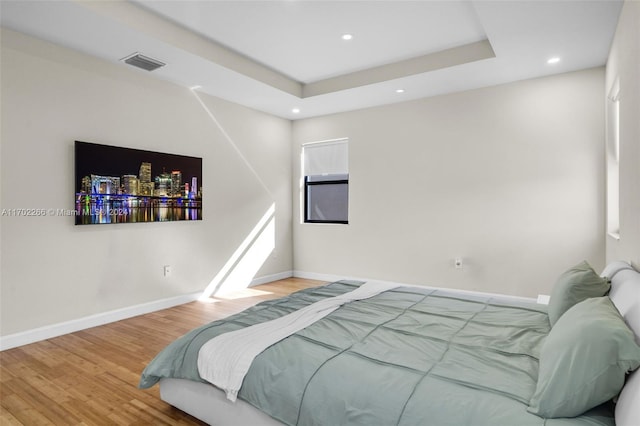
{"x":584,"y":360}
{"x":575,"y":285}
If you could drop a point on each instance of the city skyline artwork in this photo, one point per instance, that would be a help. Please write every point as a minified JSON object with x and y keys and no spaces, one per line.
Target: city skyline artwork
{"x":125,"y":185}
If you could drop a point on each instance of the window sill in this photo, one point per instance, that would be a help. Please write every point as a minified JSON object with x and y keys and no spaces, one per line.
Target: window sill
{"x":325,"y":223}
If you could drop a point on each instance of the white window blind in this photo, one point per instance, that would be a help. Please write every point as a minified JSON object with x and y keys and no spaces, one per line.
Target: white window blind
{"x":326,"y":158}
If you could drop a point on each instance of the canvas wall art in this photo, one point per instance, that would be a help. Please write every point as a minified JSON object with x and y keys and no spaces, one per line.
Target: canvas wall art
{"x":125,"y":185}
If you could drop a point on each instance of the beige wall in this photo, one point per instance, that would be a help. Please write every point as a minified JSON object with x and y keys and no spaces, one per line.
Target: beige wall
{"x":624,"y":65}
{"x":53,"y":271}
{"x":510,"y":178}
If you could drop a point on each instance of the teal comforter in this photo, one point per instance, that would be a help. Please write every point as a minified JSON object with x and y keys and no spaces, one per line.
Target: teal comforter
{"x":408,"y":356}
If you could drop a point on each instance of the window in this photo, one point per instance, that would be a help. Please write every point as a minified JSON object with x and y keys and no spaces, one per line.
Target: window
{"x":326,"y":181}
{"x":613,"y":161}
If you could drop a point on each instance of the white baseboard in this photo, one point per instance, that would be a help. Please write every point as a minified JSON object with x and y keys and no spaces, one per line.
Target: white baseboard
{"x":47,"y":332}
{"x":271,"y":278}
{"x":332,"y":278}
{"x":54,"y":330}
{"x":321,"y":277}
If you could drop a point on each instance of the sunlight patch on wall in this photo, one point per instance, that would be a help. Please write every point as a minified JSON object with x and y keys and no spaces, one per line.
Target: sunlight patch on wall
{"x":247,"y":259}
{"x":243,"y":265}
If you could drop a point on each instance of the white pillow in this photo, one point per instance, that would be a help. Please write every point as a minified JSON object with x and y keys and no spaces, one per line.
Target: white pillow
{"x":628,"y":405}
{"x":614,"y":267}
{"x":625,"y":295}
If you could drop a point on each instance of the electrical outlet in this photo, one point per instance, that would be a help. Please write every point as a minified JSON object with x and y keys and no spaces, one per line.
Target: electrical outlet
{"x":543,"y":299}
{"x":167,"y":270}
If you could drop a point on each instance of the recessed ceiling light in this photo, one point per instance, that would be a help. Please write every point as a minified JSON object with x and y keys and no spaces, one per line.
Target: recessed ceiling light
{"x":399,"y":90}
{"x":295,"y":110}
{"x":553,"y":60}
{"x":347,"y":36}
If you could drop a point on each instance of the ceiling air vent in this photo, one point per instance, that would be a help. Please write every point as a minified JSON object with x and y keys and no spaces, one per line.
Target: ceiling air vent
{"x":144,"y":62}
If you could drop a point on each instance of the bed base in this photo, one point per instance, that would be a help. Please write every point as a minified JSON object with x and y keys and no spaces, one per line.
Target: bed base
{"x":209,"y":404}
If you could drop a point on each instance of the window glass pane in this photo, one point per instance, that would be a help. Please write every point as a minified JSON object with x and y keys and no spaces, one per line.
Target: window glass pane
{"x":328,"y":202}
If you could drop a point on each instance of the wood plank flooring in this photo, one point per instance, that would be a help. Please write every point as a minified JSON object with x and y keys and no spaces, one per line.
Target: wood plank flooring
{"x":90,"y":377}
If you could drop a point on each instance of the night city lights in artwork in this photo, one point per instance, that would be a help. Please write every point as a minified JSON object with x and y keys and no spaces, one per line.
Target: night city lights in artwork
{"x":124,"y":185}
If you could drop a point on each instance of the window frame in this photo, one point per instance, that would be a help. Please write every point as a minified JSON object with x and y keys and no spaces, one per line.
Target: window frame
{"x":308,"y":184}
{"x":324,"y":162}
{"x":613,"y":161}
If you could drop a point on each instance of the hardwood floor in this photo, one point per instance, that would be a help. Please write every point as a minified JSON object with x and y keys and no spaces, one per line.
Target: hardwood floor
{"x":90,"y":377}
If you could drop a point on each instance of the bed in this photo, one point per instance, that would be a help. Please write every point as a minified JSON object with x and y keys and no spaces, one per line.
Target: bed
{"x":413,"y":355}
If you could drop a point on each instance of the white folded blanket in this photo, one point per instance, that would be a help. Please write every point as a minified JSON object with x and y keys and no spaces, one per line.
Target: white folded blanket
{"x":225,"y":359}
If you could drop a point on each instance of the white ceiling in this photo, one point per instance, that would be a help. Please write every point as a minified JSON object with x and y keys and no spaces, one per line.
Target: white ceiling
{"x":278,"y":55}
